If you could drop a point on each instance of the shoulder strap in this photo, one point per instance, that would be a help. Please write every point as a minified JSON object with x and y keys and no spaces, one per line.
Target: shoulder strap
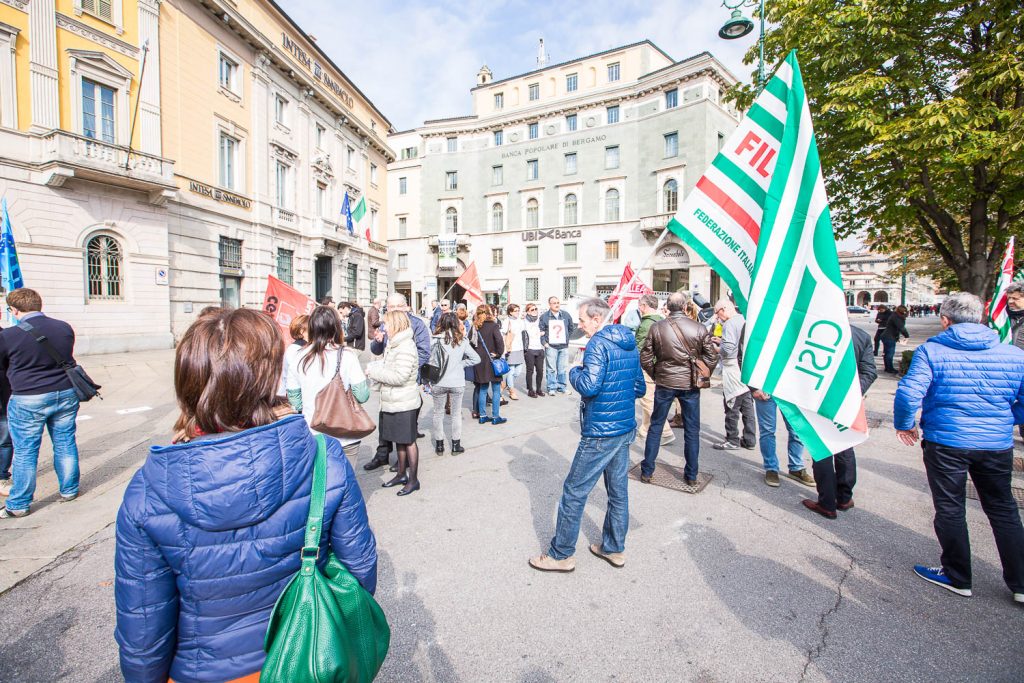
{"x":483,"y":343}
{"x":45,"y":343}
{"x":681,"y":336}
{"x":337,"y":368}
{"x":317,"y":496}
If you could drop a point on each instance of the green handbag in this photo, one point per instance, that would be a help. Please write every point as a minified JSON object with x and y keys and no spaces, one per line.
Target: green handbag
{"x":325,"y":627}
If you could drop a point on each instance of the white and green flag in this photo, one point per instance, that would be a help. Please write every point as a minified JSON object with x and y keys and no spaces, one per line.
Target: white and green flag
{"x":999,"y":316}
{"x":759,"y":216}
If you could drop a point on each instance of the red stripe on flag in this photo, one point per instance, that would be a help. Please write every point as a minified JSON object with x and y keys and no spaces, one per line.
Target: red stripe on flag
{"x":735,"y":211}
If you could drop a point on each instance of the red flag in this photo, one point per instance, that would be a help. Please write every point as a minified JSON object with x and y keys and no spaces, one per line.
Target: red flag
{"x":284,"y":303}
{"x":629,"y":289}
{"x":470,"y":281}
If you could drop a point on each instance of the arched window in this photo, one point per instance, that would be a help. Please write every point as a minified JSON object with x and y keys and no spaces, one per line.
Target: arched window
{"x":497,"y":217}
{"x":671,"y":192}
{"x":881,"y":297}
{"x":570,"y":217}
{"x":104,"y":261}
{"x":532,"y":214}
{"x":611,"y":205}
{"x":451,"y":221}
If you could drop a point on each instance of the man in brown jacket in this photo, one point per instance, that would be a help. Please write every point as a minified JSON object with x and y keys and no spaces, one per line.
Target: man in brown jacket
{"x":669,"y":355}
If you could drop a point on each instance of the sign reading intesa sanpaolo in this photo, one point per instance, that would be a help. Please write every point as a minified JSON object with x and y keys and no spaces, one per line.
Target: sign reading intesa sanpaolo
{"x":319,"y":73}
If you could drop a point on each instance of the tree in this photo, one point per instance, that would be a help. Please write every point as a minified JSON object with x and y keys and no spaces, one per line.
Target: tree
{"x":918,"y":107}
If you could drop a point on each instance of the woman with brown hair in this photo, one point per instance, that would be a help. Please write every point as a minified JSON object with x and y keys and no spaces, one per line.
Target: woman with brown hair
{"x":488,"y":344}
{"x":297,"y":330}
{"x":211,"y":527}
{"x":400,"y":398}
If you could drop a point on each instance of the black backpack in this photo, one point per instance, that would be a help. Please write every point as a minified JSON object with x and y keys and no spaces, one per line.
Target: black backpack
{"x":436,"y":365}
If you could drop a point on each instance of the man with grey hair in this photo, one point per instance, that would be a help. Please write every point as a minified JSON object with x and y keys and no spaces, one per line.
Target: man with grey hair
{"x":608,"y":381}
{"x":970,"y":390}
{"x":673,"y":353}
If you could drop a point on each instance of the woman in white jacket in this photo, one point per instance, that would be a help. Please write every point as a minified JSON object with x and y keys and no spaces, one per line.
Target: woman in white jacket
{"x":400,"y":399}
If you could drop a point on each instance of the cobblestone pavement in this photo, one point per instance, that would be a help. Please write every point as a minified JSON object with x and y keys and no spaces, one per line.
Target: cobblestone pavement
{"x":737,"y":583}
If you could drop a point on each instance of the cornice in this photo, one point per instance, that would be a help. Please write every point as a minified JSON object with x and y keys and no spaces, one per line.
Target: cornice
{"x":89,"y":33}
{"x":21,"y":5}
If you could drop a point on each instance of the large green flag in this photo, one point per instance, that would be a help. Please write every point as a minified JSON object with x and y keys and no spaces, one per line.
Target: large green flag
{"x":759,"y":216}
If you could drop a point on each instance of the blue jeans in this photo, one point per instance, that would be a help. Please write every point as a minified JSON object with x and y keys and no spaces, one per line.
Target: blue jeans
{"x":767,"y":412}
{"x":494,"y":388}
{"x":595,"y":456}
{"x":513,"y":372}
{"x":889,"y":353}
{"x":689,"y":408}
{"x":555,"y":361}
{"x":6,"y":449}
{"x":27,"y":415}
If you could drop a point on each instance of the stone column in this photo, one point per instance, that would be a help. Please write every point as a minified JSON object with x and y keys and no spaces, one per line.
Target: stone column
{"x":42,"y":21}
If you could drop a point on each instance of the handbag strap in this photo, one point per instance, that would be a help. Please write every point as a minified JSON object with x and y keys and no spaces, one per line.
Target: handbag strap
{"x":681,"y":336}
{"x":317,"y":496}
{"x":45,"y":343}
{"x":337,"y":367}
{"x":483,"y":343}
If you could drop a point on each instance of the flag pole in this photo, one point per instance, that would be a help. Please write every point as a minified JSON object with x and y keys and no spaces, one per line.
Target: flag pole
{"x":636,"y":272}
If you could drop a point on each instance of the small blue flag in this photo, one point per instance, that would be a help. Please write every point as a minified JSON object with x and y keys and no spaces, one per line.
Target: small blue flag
{"x":346,"y":211}
{"x":10,"y":270}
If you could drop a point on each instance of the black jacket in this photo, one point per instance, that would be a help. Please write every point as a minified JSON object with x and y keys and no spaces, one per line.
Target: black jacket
{"x":483,"y":373}
{"x":356,"y":335}
{"x":28,"y":366}
{"x":895,"y":327}
{"x":864,"y":353}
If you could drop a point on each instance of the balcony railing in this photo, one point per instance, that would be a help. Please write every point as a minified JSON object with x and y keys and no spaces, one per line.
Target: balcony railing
{"x":79,"y":156}
{"x":652,"y":226}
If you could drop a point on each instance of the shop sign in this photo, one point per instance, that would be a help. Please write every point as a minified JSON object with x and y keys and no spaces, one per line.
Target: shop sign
{"x":319,"y":73}
{"x":219,"y":195}
{"x":447,"y":247}
{"x":566,"y":144}
{"x":553,"y":234}
{"x":672,"y":256}
{"x":378,"y":247}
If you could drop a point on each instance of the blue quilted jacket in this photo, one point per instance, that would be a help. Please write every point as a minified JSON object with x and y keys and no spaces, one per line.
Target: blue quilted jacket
{"x":968,"y":386}
{"x":610,"y":381}
{"x":208,"y":536}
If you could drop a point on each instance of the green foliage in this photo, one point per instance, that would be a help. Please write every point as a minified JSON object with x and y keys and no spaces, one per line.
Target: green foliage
{"x":919,"y":112}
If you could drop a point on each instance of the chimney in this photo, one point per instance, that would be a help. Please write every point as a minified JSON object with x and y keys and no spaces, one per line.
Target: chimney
{"x":484,"y":76}
{"x":542,"y":57}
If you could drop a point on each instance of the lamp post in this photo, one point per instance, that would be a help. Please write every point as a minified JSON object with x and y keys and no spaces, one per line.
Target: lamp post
{"x":739,"y":26}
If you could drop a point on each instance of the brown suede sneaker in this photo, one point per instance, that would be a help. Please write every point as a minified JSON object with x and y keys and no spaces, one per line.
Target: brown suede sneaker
{"x":802,"y":476}
{"x":550,"y":564}
{"x":617,"y":560}
{"x":845,"y":506}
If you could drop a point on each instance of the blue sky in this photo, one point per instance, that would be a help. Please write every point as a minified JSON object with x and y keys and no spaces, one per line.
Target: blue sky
{"x":417,"y":61}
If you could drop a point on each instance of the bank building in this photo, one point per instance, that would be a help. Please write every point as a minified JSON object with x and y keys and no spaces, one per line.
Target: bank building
{"x":558,"y":178}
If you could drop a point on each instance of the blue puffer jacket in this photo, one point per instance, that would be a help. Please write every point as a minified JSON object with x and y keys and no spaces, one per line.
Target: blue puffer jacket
{"x":968,"y":386}
{"x":610,"y":381}
{"x":208,"y":536}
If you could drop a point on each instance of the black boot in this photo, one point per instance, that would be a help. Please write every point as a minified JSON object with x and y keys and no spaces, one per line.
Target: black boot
{"x":457,"y":447}
{"x":376,"y":462}
{"x":439,"y":447}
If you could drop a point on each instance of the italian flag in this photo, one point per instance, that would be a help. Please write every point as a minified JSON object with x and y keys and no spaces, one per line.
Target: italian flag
{"x":760,"y":217}
{"x":999,"y":319}
{"x":359,"y":212}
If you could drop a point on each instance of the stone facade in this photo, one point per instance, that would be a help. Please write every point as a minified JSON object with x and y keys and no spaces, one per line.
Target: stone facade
{"x":872,"y":278}
{"x":554,"y":195}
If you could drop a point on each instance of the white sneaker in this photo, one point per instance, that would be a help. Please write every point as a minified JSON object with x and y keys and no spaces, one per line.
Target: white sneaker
{"x":5,"y":487}
{"x":1018,"y":597}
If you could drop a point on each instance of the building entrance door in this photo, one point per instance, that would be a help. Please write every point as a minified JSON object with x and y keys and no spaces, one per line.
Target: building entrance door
{"x":230,"y":291}
{"x":675,"y":280}
{"x":456,"y":294}
{"x":322,"y":268}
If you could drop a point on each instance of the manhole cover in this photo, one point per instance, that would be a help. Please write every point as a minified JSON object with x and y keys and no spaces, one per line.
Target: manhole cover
{"x":670,"y":477}
{"x":1016,"y":488}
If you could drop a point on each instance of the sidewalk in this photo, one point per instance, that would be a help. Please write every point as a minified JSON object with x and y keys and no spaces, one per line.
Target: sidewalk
{"x":114,"y":435}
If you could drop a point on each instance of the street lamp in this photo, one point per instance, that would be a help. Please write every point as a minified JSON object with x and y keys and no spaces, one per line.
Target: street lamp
{"x":739,"y":26}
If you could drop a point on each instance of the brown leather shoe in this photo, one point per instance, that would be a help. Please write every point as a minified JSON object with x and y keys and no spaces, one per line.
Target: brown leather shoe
{"x":645,"y":478}
{"x":845,"y":506}
{"x":550,"y":564}
{"x":617,"y":560}
{"x":813,"y":506}
{"x":676,"y":422}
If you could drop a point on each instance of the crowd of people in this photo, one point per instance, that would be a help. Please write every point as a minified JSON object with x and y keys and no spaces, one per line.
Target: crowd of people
{"x":210,"y":526}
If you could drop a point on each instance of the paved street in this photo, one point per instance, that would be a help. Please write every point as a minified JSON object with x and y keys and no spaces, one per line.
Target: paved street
{"x":737,"y":583}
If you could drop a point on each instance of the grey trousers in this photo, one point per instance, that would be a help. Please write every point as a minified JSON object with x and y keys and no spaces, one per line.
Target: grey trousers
{"x":439,"y":394}
{"x":743,"y":405}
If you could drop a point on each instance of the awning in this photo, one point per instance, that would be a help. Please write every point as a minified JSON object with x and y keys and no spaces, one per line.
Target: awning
{"x":494,"y":285}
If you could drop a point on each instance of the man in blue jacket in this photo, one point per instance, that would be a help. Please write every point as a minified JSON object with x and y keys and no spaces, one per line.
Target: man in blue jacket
{"x":970,"y":389}
{"x":609,"y":381}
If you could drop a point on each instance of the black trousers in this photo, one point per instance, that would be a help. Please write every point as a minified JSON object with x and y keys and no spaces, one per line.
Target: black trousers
{"x":383,"y":447}
{"x":990,"y":471}
{"x":534,"y":368}
{"x":836,"y":476}
{"x":878,"y":338}
{"x":742,"y":406}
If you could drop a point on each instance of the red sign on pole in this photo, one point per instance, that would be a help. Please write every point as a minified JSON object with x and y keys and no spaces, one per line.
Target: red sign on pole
{"x":284,"y":303}
{"x":630,"y":289}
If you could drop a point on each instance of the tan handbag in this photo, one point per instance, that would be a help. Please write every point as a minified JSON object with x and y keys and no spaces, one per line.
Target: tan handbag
{"x":337,"y":412}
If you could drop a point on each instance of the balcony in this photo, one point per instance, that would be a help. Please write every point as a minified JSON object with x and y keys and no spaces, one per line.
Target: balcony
{"x":335,"y":232}
{"x":462,"y":241}
{"x":62,"y":155}
{"x":652,"y":226}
